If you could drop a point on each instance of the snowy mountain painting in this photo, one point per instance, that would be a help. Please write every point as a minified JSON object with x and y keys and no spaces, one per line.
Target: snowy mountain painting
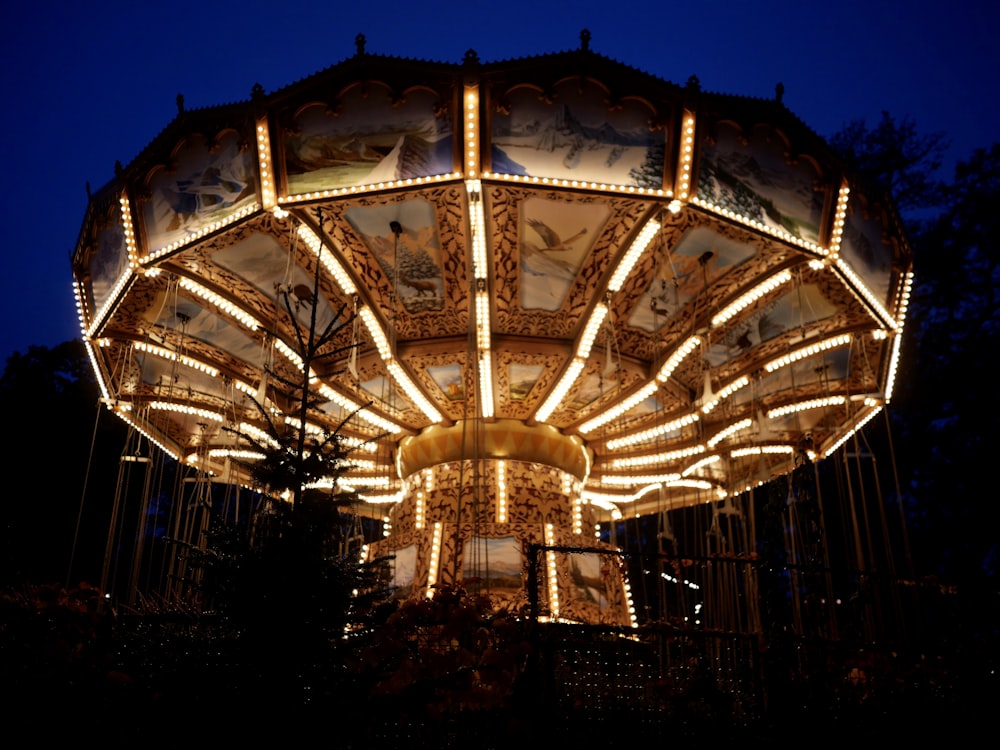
{"x":411,"y":260}
{"x":577,"y":138}
{"x":206,"y":186}
{"x":327,"y":152}
{"x":757,"y":182}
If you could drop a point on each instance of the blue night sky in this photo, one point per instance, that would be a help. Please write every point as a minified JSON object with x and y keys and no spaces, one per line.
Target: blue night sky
{"x":86,"y":84}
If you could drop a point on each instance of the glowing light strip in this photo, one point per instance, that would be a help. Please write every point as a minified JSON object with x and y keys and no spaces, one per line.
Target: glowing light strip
{"x":477,"y":223}
{"x":677,"y":357}
{"x":404,"y":382}
{"x":582,"y":184}
{"x":646,"y":391}
{"x":377,"y":334}
{"x":328,"y":260}
{"x":609,"y":501}
{"x":471,"y":130}
{"x":501,"y":491}
{"x":653,"y":432}
{"x":759,"y":450}
{"x":745,"y":300}
{"x":628,"y":462}
{"x":865,"y":420}
{"x":220,"y":303}
{"x":122,"y":412}
{"x":620,"y":408}
{"x":290,"y":354}
{"x":725,"y":393}
{"x":590,"y":330}
{"x":230,"y":453}
{"x":807,"y":351}
{"x":264,"y":162}
{"x":553,"y":576}
{"x":631,"y":480}
{"x":114,"y":297}
{"x":483,"y":320}
{"x":627,"y":591}
{"x":890,"y":381}
{"x":486,"y":385}
{"x":172,"y":356}
{"x":354,"y":408}
{"x":861,"y":290}
{"x":394,"y":497}
{"x":202,"y":232}
{"x":369,"y":188}
{"x":98,"y":373}
{"x":189,"y":410}
{"x":257,"y":434}
{"x":687,"y":156}
{"x":706,"y":461}
{"x":816,"y":403}
{"x":559,"y":392}
{"x":311,"y":429}
{"x":639,"y":245}
{"x":730,"y":430}
{"x":432,"y":569}
{"x":759,"y":226}
{"x":839,"y":218}
{"x":904,"y":299}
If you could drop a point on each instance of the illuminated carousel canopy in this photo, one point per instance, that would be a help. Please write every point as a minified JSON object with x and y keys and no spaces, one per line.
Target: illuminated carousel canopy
{"x":659,"y":295}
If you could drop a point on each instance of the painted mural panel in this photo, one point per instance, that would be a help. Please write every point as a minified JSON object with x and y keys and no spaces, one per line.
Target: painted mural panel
{"x":261,"y":261}
{"x":801,"y":306}
{"x":757,"y":182}
{"x":329,"y":150}
{"x":110,"y":258}
{"x":589,"y":577}
{"x":209,"y":183}
{"x":497,"y":560}
{"x":576,"y":137}
{"x":701,"y":257}
{"x":523,"y":379}
{"x":404,"y":570}
{"x":556,"y":236}
{"x":413,"y":260}
{"x":206,"y":325}
{"x":868,"y":256}
{"x":449,"y":379}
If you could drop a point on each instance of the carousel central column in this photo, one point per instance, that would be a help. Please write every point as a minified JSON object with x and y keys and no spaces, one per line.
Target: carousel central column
{"x":476,"y":495}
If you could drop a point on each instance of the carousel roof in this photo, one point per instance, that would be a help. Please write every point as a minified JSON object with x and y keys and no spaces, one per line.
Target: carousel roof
{"x":690,"y":285}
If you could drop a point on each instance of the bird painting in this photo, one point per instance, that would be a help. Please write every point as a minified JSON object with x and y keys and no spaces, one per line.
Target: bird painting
{"x":553,"y":242}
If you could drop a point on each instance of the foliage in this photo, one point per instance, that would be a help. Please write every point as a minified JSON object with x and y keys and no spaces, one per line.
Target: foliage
{"x":954,"y":316}
{"x":454,"y":652}
{"x":895,"y":157}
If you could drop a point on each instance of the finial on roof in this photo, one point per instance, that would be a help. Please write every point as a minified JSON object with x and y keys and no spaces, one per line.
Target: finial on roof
{"x":359,"y":42}
{"x":779,"y":92}
{"x":694,"y":84}
{"x":257,"y":92}
{"x":585,"y":40}
{"x":471,"y":56}
{"x":180,"y":104}
{"x":119,"y":169}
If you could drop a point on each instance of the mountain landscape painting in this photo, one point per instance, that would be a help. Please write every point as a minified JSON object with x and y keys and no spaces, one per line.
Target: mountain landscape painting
{"x":577,"y":137}
{"x":325,"y":151}
{"x":758,"y":181}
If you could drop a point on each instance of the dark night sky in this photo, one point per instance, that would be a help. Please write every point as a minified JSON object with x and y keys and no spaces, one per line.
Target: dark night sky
{"x":86,"y":84}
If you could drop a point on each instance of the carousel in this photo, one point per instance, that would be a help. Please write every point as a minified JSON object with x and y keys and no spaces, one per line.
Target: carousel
{"x":533,"y":297}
